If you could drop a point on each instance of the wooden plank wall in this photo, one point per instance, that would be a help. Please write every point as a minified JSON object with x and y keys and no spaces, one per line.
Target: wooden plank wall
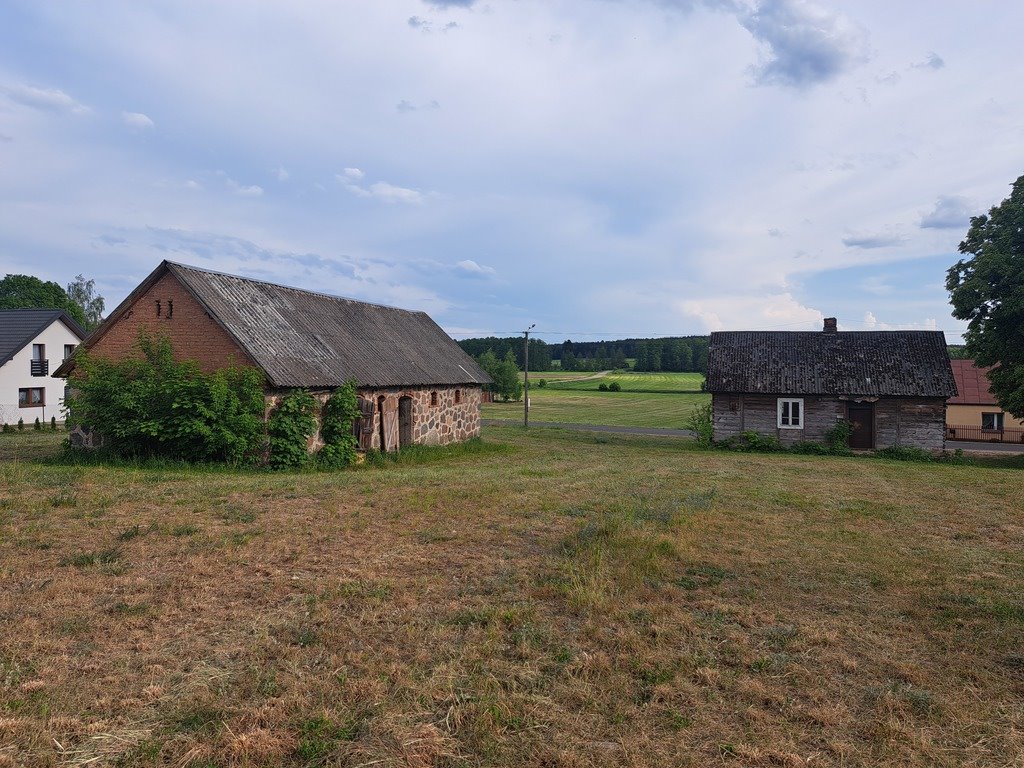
{"x":907,"y":421}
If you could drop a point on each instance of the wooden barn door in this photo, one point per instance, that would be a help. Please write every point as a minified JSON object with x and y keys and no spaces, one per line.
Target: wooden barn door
{"x":862,"y":419}
{"x":404,"y":421}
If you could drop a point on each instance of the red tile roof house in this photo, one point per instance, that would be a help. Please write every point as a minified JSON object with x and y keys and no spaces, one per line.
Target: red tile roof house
{"x":891,"y":386}
{"x":974,"y":414}
{"x":415,"y":384}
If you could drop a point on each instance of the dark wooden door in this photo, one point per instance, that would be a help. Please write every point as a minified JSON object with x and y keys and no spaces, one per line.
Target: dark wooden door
{"x":862,"y":420}
{"x":404,"y":421}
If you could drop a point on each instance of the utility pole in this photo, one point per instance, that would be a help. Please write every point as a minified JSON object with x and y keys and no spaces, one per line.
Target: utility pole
{"x":526,"y":375}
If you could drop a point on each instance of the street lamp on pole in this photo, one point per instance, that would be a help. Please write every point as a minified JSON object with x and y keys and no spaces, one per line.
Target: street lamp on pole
{"x":526,"y":375}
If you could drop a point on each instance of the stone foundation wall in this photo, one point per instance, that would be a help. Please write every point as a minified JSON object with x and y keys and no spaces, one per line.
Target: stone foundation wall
{"x":446,"y":422}
{"x":381,"y":427}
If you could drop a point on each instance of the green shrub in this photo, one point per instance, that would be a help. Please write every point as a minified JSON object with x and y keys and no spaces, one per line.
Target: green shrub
{"x":336,"y":420}
{"x":752,"y":442}
{"x":53,"y":423}
{"x":838,"y":437}
{"x":602,"y":387}
{"x":156,"y":406}
{"x":541,"y":383}
{"x":615,"y":387}
{"x":6,"y":427}
{"x":21,"y":425}
{"x":905,"y":453}
{"x":700,"y":421}
{"x":38,"y":427}
{"x":289,"y":428}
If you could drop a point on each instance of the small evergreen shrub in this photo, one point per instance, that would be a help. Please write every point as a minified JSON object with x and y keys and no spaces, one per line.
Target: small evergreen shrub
{"x":290,"y":427}
{"x":21,"y":425}
{"x":336,"y":419}
{"x":6,"y":427}
{"x":53,"y":423}
{"x":37,"y":426}
{"x":602,"y":387}
{"x":615,"y":387}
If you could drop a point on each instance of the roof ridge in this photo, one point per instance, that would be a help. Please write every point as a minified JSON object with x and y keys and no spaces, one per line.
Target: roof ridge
{"x":333,"y":296}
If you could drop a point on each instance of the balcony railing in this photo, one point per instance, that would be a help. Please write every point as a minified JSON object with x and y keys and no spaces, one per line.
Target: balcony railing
{"x":980,"y":435}
{"x":40,"y":367}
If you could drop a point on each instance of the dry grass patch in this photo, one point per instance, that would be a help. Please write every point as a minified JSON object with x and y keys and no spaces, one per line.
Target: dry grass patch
{"x":556,"y":600}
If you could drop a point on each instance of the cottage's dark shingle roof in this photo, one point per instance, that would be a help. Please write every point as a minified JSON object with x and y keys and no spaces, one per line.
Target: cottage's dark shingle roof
{"x":19,"y":326}
{"x":907,"y":363}
{"x":305,"y":339}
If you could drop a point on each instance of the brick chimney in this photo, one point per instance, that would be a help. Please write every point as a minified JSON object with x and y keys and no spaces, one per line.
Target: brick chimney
{"x":830,"y":325}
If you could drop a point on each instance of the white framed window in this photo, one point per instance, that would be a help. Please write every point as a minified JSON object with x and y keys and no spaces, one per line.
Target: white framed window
{"x":791,"y":413}
{"x":992,"y":421}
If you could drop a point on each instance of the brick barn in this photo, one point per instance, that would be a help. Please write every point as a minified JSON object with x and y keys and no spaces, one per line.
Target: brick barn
{"x":415,"y":384}
{"x":891,"y":386}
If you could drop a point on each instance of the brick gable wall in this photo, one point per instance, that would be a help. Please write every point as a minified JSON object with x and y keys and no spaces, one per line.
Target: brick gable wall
{"x":194,"y":335}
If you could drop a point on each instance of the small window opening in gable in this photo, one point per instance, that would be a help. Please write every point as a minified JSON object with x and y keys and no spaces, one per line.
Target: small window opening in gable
{"x":458,"y":396}
{"x":791,"y":413}
{"x":170,"y":308}
{"x":158,"y":307}
{"x":433,"y":399}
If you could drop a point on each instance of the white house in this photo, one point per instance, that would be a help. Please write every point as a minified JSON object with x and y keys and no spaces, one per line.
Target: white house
{"x":33,"y":342}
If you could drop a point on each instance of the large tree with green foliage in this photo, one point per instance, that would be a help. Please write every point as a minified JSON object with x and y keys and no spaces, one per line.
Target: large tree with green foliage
{"x":83,"y":293}
{"x":28,"y":292}
{"x":507,"y":384}
{"x":987,"y":290}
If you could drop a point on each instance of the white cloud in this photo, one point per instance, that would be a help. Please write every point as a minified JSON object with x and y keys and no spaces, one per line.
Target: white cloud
{"x":381,"y":190}
{"x":281,"y":173}
{"x":136,"y":120}
{"x":244,"y":190}
{"x":472,"y":269}
{"x":47,"y":99}
{"x":872,"y":323}
{"x":780,"y":311}
{"x":950,"y":212}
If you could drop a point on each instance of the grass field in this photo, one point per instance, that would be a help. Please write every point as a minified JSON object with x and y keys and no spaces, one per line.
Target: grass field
{"x":627,"y":409}
{"x":646,"y":399}
{"x":636,"y":382}
{"x":550,"y":598}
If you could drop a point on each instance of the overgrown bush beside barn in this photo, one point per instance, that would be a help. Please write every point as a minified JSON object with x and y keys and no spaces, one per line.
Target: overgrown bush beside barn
{"x":336,"y":419}
{"x":290,"y":427}
{"x":156,"y":406}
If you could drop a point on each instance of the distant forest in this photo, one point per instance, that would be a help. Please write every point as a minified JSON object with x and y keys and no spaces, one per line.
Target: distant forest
{"x":675,"y":353}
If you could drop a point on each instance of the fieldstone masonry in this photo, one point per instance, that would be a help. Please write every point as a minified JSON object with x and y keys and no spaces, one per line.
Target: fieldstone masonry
{"x":455,"y":416}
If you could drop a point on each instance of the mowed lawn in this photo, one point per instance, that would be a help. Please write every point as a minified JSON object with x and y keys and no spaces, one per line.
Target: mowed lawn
{"x":646,"y":400}
{"x":545,"y":598}
{"x":635,"y":382}
{"x":626,"y":409}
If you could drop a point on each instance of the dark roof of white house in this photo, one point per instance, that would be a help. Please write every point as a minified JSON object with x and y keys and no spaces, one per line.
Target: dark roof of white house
{"x":305,"y":339}
{"x":871,"y":363}
{"x":19,"y":327}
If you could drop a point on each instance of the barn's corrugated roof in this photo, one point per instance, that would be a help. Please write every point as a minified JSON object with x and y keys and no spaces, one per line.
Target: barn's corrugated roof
{"x":305,"y":339}
{"x":973,"y":386}
{"x":19,"y":326}
{"x":898,"y":363}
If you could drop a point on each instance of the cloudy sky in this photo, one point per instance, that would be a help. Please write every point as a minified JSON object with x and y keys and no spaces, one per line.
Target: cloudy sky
{"x":598,"y":167}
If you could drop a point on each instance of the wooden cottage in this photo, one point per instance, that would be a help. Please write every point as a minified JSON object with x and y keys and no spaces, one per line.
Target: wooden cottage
{"x":891,"y":386}
{"x":415,"y":384}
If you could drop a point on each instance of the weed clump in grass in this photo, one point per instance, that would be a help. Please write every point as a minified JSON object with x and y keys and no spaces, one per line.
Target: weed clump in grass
{"x":97,"y":557}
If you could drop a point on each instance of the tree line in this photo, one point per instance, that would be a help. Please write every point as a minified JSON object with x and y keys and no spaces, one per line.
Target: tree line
{"x":673,"y":353}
